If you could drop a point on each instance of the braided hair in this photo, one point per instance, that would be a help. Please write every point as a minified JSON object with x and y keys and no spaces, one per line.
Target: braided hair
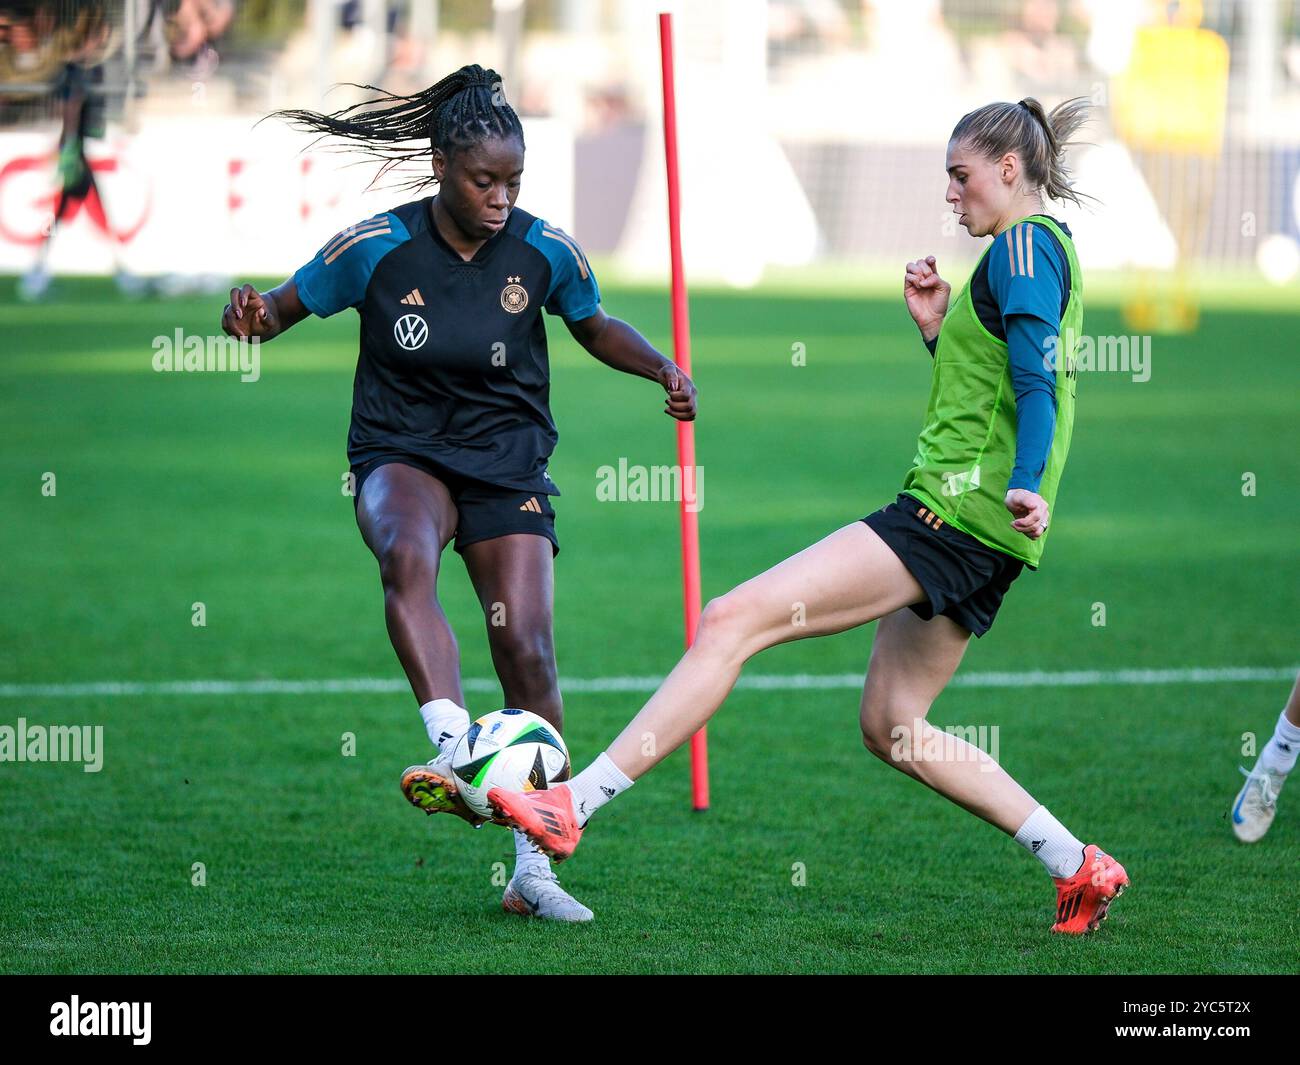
{"x":462,"y":110}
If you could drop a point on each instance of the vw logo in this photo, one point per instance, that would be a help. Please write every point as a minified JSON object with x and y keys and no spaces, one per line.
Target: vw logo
{"x":411,"y":331}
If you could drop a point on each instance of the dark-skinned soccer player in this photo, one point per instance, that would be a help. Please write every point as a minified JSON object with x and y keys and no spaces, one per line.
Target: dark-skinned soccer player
{"x":451,"y":427}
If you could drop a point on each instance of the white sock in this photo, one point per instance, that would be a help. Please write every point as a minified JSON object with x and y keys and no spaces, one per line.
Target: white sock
{"x":1279,"y":754}
{"x":1050,"y":841}
{"x":444,"y":719}
{"x":596,"y":785}
{"x":528,"y":859}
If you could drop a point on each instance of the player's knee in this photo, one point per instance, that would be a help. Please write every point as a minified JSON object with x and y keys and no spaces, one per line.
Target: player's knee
{"x":725,"y":621}
{"x":405,"y":561}
{"x":526,"y":660}
{"x":889,"y":726}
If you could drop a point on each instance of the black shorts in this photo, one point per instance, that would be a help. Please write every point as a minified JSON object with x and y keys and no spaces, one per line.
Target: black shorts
{"x":964,"y":579}
{"x":486,"y":510}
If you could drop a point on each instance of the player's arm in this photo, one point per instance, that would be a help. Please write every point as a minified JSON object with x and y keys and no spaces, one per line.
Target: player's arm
{"x":1029,"y":292}
{"x":617,"y":344}
{"x":264,"y":315}
{"x":334,"y":279}
{"x":575,"y":297}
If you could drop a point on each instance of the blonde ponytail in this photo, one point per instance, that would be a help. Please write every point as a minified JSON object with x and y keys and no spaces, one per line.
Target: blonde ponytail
{"x":1038,"y":137}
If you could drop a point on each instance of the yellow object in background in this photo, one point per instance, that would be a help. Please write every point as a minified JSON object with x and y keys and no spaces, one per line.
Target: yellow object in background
{"x":1169,"y":106}
{"x":1173,"y":95}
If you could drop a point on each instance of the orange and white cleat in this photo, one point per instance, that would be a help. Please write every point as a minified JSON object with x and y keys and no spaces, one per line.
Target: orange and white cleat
{"x":545,"y":817}
{"x":1083,"y":899}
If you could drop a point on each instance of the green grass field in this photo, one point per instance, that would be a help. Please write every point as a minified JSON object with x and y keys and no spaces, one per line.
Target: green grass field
{"x":174,"y":489}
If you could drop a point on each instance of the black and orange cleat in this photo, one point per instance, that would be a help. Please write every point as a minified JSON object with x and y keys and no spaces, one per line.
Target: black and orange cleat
{"x":545,"y":817}
{"x":1083,"y":899}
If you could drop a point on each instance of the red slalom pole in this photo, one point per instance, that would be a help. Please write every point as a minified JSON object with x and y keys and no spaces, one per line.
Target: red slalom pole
{"x":685,"y":430}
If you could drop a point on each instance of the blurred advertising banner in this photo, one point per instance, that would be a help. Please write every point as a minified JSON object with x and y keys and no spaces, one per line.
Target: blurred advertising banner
{"x":224,"y":196}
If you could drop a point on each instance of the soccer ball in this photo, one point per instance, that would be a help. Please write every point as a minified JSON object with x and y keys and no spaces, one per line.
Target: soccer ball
{"x":510,"y":749}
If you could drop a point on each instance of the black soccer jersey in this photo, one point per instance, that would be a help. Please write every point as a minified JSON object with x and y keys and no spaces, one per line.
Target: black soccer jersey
{"x":453,"y":364}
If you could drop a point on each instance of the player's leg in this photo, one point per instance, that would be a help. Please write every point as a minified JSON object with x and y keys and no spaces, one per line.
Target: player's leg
{"x":34,"y":284}
{"x":845,"y":580}
{"x":406,"y":517}
{"x":127,"y":282}
{"x":912,"y":661}
{"x":1256,"y":805}
{"x":513,"y":576}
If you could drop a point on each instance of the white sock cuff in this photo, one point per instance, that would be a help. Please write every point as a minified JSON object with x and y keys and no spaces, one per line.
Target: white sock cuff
{"x":611,"y":773}
{"x":444,"y":719}
{"x":1051,"y":843}
{"x":526,"y":855}
{"x":596,"y":785}
{"x":1283,"y":747}
{"x":1289,"y":732}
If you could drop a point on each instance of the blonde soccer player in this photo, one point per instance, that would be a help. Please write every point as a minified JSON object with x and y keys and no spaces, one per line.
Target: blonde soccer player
{"x":934,"y":565}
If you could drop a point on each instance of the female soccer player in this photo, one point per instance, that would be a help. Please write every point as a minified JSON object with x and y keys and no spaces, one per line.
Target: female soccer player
{"x":451,"y":425}
{"x":934,"y":565}
{"x":1256,"y":804}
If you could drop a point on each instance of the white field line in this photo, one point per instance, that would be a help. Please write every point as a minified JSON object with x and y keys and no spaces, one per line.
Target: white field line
{"x":1083,"y":678}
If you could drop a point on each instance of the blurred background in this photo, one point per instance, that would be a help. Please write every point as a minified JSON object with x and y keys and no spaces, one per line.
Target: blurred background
{"x":813,"y":131}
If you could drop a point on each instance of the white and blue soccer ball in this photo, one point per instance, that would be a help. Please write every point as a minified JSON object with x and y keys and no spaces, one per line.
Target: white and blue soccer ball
{"x":514,"y":750}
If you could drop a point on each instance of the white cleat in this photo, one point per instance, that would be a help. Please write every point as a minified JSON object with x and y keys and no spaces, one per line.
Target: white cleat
{"x":130,"y":284}
{"x":1256,"y":804}
{"x":540,"y":895}
{"x":33,"y":284}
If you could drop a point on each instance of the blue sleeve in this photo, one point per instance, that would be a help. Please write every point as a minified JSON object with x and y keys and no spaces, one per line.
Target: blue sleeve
{"x":340,"y":273}
{"x":1028,"y":278}
{"x":1028,"y":340}
{"x":573,"y":294}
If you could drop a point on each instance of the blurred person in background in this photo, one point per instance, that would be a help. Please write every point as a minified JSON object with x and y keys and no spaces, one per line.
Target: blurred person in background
{"x":1032,"y":55}
{"x":29,"y":42}
{"x":193,"y":29}
{"x":1037,"y":51}
{"x":1169,"y":107}
{"x":80,"y":95}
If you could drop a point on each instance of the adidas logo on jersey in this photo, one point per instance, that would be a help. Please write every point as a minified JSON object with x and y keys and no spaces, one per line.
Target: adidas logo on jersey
{"x":413,"y":298}
{"x":532,"y":505}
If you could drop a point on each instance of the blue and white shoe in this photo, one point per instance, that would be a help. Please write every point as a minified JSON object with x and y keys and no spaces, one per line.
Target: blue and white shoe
{"x":1256,"y":804}
{"x":537,"y":893}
